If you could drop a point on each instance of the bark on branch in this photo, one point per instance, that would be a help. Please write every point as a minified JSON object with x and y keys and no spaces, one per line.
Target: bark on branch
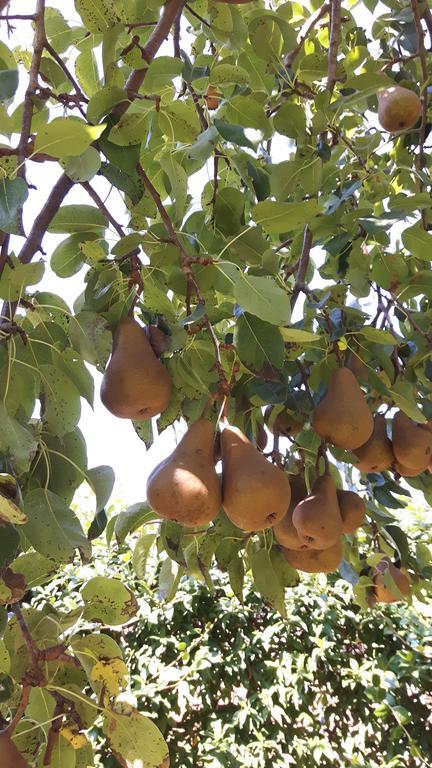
{"x":335,"y":29}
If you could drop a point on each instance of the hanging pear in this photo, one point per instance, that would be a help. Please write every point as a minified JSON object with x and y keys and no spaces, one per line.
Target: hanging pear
{"x":280,"y":422}
{"x":405,"y":471}
{"x":185,"y":487}
{"x":412,"y":443}
{"x":398,"y":108}
{"x":343,"y":417}
{"x":285,"y":531}
{"x":10,"y":757}
{"x":256,"y":494}
{"x":315,"y":560}
{"x":317,"y":518}
{"x":376,"y":455}
{"x":383,"y":593}
{"x":352,"y":510}
{"x":135,"y":384}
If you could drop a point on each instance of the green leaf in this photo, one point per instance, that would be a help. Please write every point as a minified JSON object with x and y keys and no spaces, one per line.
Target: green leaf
{"x":97,"y":15}
{"x":82,"y":167}
{"x":258,"y":342}
{"x":101,"y":480}
{"x":140,"y":554}
{"x":285,"y":217}
{"x":16,"y":441}
{"x":13,"y":194}
{"x":298,"y":335}
{"x":290,"y":120}
{"x":65,"y":136}
{"x":108,"y":601}
{"x":179,"y":121}
{"x":91,"y":337}
{"x":247,"y":112}
{"x":404,"y":397}
{"x":136,"y":739}
{"x":35,"y":568}
{"x":133,"y":126}
{"x":132,"y":518}
{"x":265,"y":580}
{"x":8,"y":83}
{"x":377,"y":335}
{"x":179,"y":183}
{"x":78,"y":218}
{"x":418,"y":242}
{"x":260,"y":296}
{"x":233,"y":133}
{"x":68,"y":258}
{"x":16,"y":277}
{"x":161,"y":73}
{"x":52,"y":528}
{"x":169,"y":577}
{"x":223,"y":74}
{"x":62,"y":407}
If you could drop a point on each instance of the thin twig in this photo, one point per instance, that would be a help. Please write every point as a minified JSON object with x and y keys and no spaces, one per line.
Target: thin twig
{"x":305,"y":32}
{"x":197,"y":16}
{"x":303,"y":265}
{"x":31,"y":646}
{"x":68,"y":74}
{"x":102,"y":207}
{"x":427,"y":336}
{"x":22,"y":706}
{"x":335,"y":30}
{"x":19,"y":17}
{"x":4,"y":251}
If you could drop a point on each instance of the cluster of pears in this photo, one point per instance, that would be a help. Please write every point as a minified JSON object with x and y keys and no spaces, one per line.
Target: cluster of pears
{"x":311,"y":531}
{"x":344,"y":419}
{"x":186,"y":488}
{"x":399,"y":108}
{"x":135,"y":385}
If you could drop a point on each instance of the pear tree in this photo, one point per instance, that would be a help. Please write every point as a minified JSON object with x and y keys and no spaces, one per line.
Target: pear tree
{"x":241,"y":191}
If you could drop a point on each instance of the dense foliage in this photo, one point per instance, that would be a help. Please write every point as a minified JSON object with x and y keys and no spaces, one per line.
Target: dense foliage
{"x":306,"y":247}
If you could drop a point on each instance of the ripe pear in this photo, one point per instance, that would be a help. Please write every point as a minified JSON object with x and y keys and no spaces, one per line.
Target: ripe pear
{"x":256,"y":494}
{"x":10,"y":757}
{"x":343,"y":417}
{"x":283,"y":423}
{"x":317,"y":518}
{"x":382,"y":593}
{"x":315,"y":560}
{"x":398,"y":108}
{"x":285,"y":531}
{"x":376,"y":455}
{"x":352,"y":510}
{"x":405,"y":471}
{"x":358,"y":367}
{"x":135,"y":384}
{"x":185,"y":487}
{"x":412,"y":443}
{"x":212,"y":97}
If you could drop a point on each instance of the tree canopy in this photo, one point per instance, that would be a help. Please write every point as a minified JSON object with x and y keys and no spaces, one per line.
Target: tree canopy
{"x":273,"y":234}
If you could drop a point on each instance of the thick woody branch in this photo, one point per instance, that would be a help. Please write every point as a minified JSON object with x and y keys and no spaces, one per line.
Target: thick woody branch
{"x":170,"y":12}
{"x":302,"y":267}
{"x":335,"y":29}
{"x":43,"y":220}
{"x":38,"y":46}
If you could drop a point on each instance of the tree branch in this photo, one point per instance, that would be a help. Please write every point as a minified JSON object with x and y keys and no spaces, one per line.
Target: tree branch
{"x":190,"y":278}
{"x":305,"y":32}
{"x":38,"y":46}
{"x":102,"y":207}
{"x":170,"y":12}
{"x":335,"y":29}
{"x":43,"y":220}
{"x":303,"y":265}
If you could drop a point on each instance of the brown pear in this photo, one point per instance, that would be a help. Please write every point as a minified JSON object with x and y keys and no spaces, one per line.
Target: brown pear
{"x":352,"y":510}
{"x":261,"y":438}
{"x":382,"y":593}
{"x":412,"y":443}
{"x":376,"y":455}
{"x":316,"y":560}
{"x":256,"y":494}
{"x":185,"y":487}
{"x":398,"y":108}
{"x":405,"y":471}
{"x":343,"y":417}
{"x":10,"y":757}
{"x":280,"y":422}
{"x":285,"y":531}
{"x":135,"y":384}
{"x":358,"y":367}
{"x":317,"y":518}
